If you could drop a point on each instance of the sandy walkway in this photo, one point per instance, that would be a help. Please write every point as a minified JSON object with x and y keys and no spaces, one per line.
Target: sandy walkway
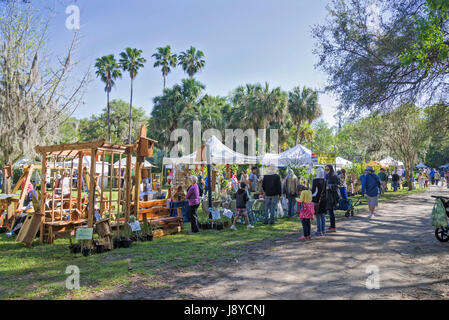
{"x":400,"y":242}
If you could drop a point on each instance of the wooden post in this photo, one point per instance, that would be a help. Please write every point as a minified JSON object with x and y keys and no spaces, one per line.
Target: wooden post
{"x":43,"y":190}
{"x":93,"y":186}
{"x":137,"y":178}
{"x":80,"y":181}
{"x":128,"y":185}
{"x":23,"y":194}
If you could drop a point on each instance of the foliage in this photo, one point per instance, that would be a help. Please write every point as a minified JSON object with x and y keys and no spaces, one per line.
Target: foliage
{"x":131,"y":60}
{"x":431,"y":50}
{"x":362,"y":59}
{"x":95,"y":127}
{"x":108,"y":69}
{"x":166,"y":60}
{"x":35,"y":95}
{"x":170,"y":107}
{"x":191,"y":61}
{"x":303,"y":106}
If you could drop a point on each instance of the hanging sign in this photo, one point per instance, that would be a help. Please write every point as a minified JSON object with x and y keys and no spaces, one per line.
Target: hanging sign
{"x":326,"y":158}
{"x":315,"y":158}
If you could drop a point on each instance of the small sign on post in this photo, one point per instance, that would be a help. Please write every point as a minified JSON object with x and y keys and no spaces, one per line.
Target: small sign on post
{"x":327,"y":158}
{"x":314,"y":158}
{"x":84,"y":234}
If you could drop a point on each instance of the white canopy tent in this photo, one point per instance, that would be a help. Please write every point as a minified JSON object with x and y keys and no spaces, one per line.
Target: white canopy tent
{"x":24,"y":162}
{"x":389,"y":161}
{"x":295,"y":157}
{"x":421,"y":166}
{"x":219,"y":154}
{"x":146,"y":164}
{"x":342,"y":162}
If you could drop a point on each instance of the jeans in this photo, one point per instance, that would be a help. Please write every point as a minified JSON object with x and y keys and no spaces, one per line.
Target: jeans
{"x":250,"y":212}
{"x":291,"y":205}
{"x":395,"y":185}
{"x":194,"y":218}
{"x":320,"y":222}
{"x":271,"y":203}
{"x":28,"y":198}
{"x":332,"y":218}
{"x":306,"y":227}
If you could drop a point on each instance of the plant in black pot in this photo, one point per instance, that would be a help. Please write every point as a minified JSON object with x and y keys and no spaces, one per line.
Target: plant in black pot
{"x":99,"y":247}
{"x":116,"y":240}
{"x":149,"y":232}
{"x":74,"y":247}
{"x":125,"y":239}
{"x":86,"y":248}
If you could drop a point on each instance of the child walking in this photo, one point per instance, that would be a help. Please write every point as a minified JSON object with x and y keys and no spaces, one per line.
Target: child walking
{"x":307,"y":213}
{"x":241,"y":198}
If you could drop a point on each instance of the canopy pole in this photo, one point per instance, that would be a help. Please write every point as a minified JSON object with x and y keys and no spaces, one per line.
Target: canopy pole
{"x":209,"y":180}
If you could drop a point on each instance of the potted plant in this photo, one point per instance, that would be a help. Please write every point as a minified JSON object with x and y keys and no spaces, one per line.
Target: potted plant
{"x":99,"y":247}
{"x":116,"y":240}
{"x":148,"y":231}
{"x":86,"y":249}
{"x":74,"y":247}
{"x":125,"y":238}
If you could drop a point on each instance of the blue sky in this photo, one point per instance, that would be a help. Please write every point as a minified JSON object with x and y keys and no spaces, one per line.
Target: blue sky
{"x":244,"y":41}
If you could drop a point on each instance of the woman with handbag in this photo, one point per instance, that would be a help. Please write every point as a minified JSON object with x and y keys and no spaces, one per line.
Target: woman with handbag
{"x":332,"y":195}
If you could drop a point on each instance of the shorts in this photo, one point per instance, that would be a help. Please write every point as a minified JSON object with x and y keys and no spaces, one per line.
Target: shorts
{"x":372,"y":201}
{"x":241,"y":212}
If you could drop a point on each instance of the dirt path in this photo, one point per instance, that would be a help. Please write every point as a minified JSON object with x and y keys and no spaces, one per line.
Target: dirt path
{"x":399,"y":242}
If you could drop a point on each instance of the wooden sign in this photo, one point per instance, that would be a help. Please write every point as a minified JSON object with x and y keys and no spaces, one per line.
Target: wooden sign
{"x":326,"y":158}
{"x":214,"y":180}
{"x":135,"y":226}
{"x":84,"y":234}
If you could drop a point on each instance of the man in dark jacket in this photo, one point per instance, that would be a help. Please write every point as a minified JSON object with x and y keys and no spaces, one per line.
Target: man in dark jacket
{"x":272,"y":187}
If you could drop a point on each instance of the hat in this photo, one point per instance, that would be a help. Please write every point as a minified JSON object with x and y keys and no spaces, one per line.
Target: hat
{"x":369,"y":168}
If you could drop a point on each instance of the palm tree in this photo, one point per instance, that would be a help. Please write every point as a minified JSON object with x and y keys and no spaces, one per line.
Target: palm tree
{"x":108,"y":70}
{"x":191,"y":61}
{"x":303,"y":106}
{"x":131,"y":61}
{"x":165,"y":59}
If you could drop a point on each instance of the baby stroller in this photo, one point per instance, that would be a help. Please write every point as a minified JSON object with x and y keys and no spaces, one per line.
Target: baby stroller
{"x":439,"y":218}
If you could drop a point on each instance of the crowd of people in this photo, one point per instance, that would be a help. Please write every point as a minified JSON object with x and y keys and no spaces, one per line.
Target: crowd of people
{"x":313,"y":202}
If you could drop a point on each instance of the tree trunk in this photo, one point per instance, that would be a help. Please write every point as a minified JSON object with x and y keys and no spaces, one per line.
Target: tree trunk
{"x":109,"y":119}
{"x":297,"y":132}
{"x":130,"y":112}
{"x":164,"y":82}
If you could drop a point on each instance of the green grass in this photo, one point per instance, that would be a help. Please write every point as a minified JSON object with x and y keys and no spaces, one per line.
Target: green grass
{"x":39,"y":272}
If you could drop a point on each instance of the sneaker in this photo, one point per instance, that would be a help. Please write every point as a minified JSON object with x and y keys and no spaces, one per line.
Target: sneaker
{"x":308,"y":238}
{"x":250,"y":226}
{"x":302,"y":238}
{"x":233,"y":227}
{"x":371,"y":215}
{"x":329,"y":230}
{"x":316,"y":233}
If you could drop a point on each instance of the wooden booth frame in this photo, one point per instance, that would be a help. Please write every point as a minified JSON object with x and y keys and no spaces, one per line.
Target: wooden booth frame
{"x":51,"y":155}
